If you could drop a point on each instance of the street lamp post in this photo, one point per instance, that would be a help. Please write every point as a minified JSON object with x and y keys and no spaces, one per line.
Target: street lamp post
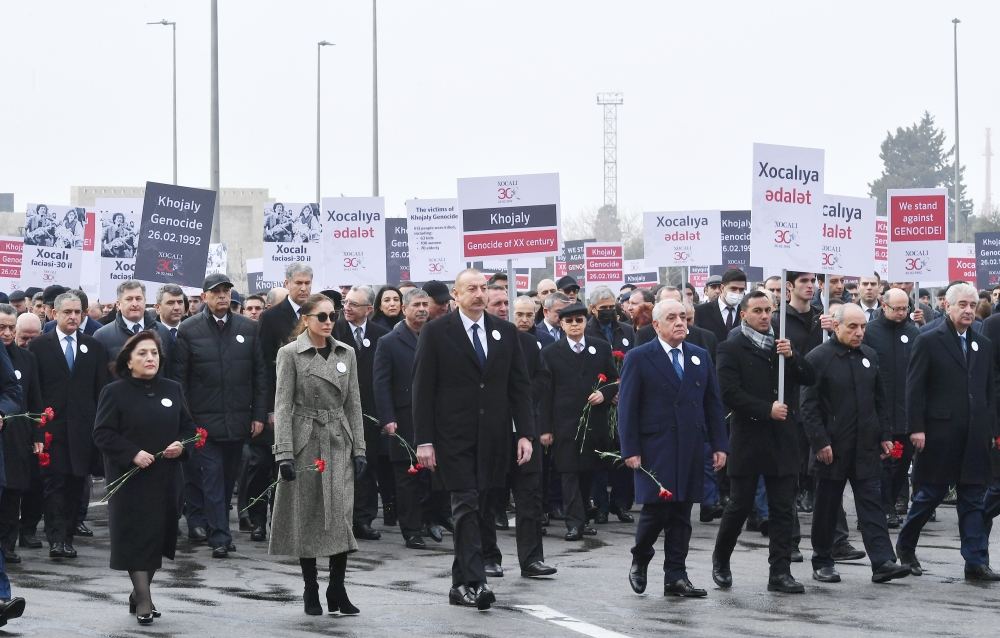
{"x":958,"y":202}
{"x":319,"y":78}
{"x":173,"y":28}
{"x":374,"y":98}
{"x":214,"y":123}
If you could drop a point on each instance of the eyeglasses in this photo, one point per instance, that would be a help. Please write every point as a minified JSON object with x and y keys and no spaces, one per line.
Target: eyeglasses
{"x":898,"y":308}
{"x":323,"y":317}
{"x":576,"y":319}
{"x":353,"y":304}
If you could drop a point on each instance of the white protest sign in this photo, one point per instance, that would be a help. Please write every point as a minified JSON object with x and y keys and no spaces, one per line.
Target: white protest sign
{"x":292,"y":233}
{"x":53,"y":245}
{"x":604,"y":265}
{"x":918,"y":233}
{"x":509,"y":216}
{"x":683,"y":238}
{"x":435,"y":238}
{"x":787,"y":200}
{"x":353,"y":241}
{"x":846,"y":228}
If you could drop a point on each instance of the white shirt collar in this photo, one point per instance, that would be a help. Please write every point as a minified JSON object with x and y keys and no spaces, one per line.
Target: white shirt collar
{"x":364,"y":327}
{"x":723,"y":308}
{"x":582,"y":342}
{"x":129,"y":324}
{"x":468,"y":322}
{"x":667,"y":347}
{"x":867,"y":308}
{"x":294,"y":305}
{"x":549,"y":327}
{"x":62,"y":335}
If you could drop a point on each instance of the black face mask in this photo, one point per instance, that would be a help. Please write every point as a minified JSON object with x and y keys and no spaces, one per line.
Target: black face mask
{"x":606,"y":315}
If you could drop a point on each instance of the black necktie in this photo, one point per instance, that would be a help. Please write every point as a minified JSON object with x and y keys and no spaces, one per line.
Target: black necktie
{"x":222,"y":324}
{"x":136,"y":328}
{"x":478,"y":345}
{"x":173,"y":335}
{"x":729,"y":317}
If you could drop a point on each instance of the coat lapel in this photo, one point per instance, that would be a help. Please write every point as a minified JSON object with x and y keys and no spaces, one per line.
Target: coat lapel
{"x":954,"y":345}
{"x":493,"y":349}
{"x":315,"y":365}
{"x":661,"y":360}
{"x":456,"y":331}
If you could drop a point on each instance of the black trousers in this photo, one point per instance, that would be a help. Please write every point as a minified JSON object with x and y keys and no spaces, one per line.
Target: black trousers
{"x":674,"y":519}
{"x":10,"y":506}
{"x":575,"y":488}
{"x":551,"y":489}
{"x":88,"y":483}
{"x":781,"y":493}
{"x":895,"y":476}
{"x":366,"y":492}
{"x":527,"y":486}
{"x":413,"y":493}
{"x":867,"y":502}
{"x":386,"y":482}
{"x":61,"y":497}
{"x":475,"y":537}
{"x":259,"y":471}
{"x":241,"y":484}
{"x":32,"y":504}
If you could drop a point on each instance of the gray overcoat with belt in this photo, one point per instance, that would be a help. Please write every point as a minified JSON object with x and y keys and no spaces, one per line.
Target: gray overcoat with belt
{"x":317,"y":414}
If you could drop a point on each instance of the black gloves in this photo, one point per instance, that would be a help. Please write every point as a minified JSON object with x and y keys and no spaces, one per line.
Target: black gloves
{"x":360,"y":465}
{"x":287,"y":470}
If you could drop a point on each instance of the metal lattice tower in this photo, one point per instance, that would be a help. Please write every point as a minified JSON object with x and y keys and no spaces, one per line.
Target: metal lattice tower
{"x":610,"y":102}
{"x":988,"y":199}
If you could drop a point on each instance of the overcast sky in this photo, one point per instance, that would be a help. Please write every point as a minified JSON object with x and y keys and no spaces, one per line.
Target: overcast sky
{"x":471,"y":88}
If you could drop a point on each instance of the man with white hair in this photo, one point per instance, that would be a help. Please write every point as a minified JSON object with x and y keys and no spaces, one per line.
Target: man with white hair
{"x":952,"y":437}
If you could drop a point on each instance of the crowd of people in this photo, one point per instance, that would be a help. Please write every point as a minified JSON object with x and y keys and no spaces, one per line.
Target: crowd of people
{"x":450,"y":408}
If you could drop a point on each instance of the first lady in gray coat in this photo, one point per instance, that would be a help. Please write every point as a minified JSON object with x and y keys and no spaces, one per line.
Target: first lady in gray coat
{"x":317,"y":415}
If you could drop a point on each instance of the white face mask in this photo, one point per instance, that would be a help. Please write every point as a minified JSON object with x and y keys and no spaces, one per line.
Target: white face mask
{"x":733,"y":298}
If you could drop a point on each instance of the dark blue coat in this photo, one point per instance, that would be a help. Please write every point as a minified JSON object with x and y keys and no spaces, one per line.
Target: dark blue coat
{"x":667,"y":421}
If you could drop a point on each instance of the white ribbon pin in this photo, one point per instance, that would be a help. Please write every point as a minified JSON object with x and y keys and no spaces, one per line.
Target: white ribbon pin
{"x":496,"y":335}
{"x":904,"y":338}
{"x":165,"y":402}
{"x":240,"y":339}
{"x":83,"y":348}
{"x":624,"y":341}
{"x":17,"y":373}
{"x":695,"y":360}
{"x":366,"y":342}
{"x":975,"y":346}
{"x":592,"y":350}
{"x":866,"y":363}
{"x":538,"y":342}
{"x":341,"y":367}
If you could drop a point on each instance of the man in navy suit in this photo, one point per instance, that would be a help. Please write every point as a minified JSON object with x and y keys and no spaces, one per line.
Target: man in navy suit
{"x":547,"y":330}
{"x":87,"y":325}
{"x":668,"y":406}
{"x":723,"y":314}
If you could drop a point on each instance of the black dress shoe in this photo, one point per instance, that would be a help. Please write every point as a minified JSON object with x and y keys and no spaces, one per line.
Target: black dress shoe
{"x":589,"y":531}
{"x":796,"y":556}
{"x":462,"y":596}
{"x":826,"y":575}
{"x":545,"y":519}
{"x":601,"y":518}
{"x":258,"y":534}
{"x":484,"y":597}
{"x":752,"y":524}
{"x":846,"y":552}
{"x":11,"y":556}
{"x":230,"y":548}
{"x":68,"y":550}
{"x":624,"y":516}
{"x":131,"y":607}
{"x":389,"y":518}
{"x":709,"y":513}
{"x":536,"y":569}
{"x":892,"y":521}
{"x":785,"y":584}
{"x":144,"y":619}
{"x":909,"y":558}
{"x":493,"y":570}
{"x":436,"y":532}
{"x":721,"y":573}
{"x":245,"y":525}
{"x":197,"y":535}
{"x":365,"y":532}
{"x":416,"y":542}
{"x":83,"y":530}
{"x":11,"y":609}
{"x":220,"y":552}
{"x":981,"y":573}
{"x":56,"y":550}
{"x":889,"y":570}
{"x":763,"y":525}
{"x":637,"y":576}
{"x":683,"y":588}
{"x":30,"y":541}
{"x":574,"y":534}
{"x":500,"y":520}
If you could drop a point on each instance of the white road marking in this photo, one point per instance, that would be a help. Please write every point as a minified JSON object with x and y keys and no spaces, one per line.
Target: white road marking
{"x":568,"y":622}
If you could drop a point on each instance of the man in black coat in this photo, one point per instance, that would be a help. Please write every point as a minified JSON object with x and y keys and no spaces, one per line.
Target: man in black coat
{"x":547,"y":330}
{"x":21,"y":437}
{"x":844,"y":417}
{"x":355,"y":330}
{"x":763,"y":440}
{"x":221,"y":367}
{"x":722,"y":315}
{"x":72,"y":369}
{"x":470,"y":375}
{"x":952,"y":435}
{"x":275,"y":330}
{"x":132,"y":319}
{"x":891,"y":335}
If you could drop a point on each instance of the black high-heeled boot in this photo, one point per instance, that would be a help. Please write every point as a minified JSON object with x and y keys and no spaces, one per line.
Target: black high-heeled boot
{"x":336,"y":593}
{"x":310,"y":596}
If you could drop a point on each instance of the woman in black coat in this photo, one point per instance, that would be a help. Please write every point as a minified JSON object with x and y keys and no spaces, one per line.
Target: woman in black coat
{"x":388,"y":307}
{"x":139,"y":416}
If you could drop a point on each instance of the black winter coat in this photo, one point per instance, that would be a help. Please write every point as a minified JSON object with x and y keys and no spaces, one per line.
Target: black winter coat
{"x":845,"y":409}
{"x":393,"y":388}
{"x":223,"y":375}
{"x":622,"y":334}
{"x":114,"y":335}
{"x":893,"y":341}
{"x":20,"y":434}
{"x":375,"y":443}
{"x":748,"y":382}
{"x":274,"y":329}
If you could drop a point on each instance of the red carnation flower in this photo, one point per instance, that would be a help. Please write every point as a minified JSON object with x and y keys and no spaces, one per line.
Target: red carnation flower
{"x":897,"y":450}
{"x":411,"y":470}
{"x":43,"y":420}
{"x":665,"y":494}
{"x":618,"y":354}
{"x":44,"y":460}
{"x":49,"y":413}
{"x":48,"y":440}
{"x":998,"y":442}
{"x":418,"y":467}
{"x":601,"y":378}
{"x":320,"y":465}
{"x":202,"y":437}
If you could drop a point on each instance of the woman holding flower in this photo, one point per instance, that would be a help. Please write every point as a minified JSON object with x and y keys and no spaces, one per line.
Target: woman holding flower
{"x":141,"y":421}
{"x":317,"y":415}
{"x":579,"y":380}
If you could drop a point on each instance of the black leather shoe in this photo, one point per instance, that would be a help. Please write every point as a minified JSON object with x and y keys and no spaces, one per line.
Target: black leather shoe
{"x":826,"y":575}
{"x":637,"y":576}
{"x":500,"y":520}
{"x":909,"y":558}
{"x":763,"y":525}
{"x":601,"y":518}
{"x":684,"y":589}
{"x":56,"y":550}
{"x":574,"y":534}
{"x":889,"y":570}
{"x":389,"y":518}
{"x":230,"y":548}
{"x":709,"y":513}
{"x":796,"y":556}
{"x":462,"y":596}
{"x":11,"y":556}
{"x":721,"y":574}
{"x":220,"y":552}
{"x":625,"y":517}
{"x":785,"y":584}
{"x":258,"y":534}
{"x":197,"y":535}
{"x":83,"y":530}
{"x":416,"y":542}
{"x":365,"y":532}
{"x":846,"y":552}
{"x":536,"y":569}
{"x":493,"y":570}
{"x":892,"y":521}
{"x":68,"y":550}
{"x":436,"y":532}
{"x":980,"y":572}
{"x":144,"y":619}
{"x":131,"y":607}
{"x":484,"y":597}
{"x":589,"y":531}
{"x":246,"y":525}
{"x":10,"y":610}
{"x":30,"y":541}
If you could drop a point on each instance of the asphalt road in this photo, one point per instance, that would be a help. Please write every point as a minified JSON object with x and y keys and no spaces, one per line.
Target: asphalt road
{"x":404,"y":592}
